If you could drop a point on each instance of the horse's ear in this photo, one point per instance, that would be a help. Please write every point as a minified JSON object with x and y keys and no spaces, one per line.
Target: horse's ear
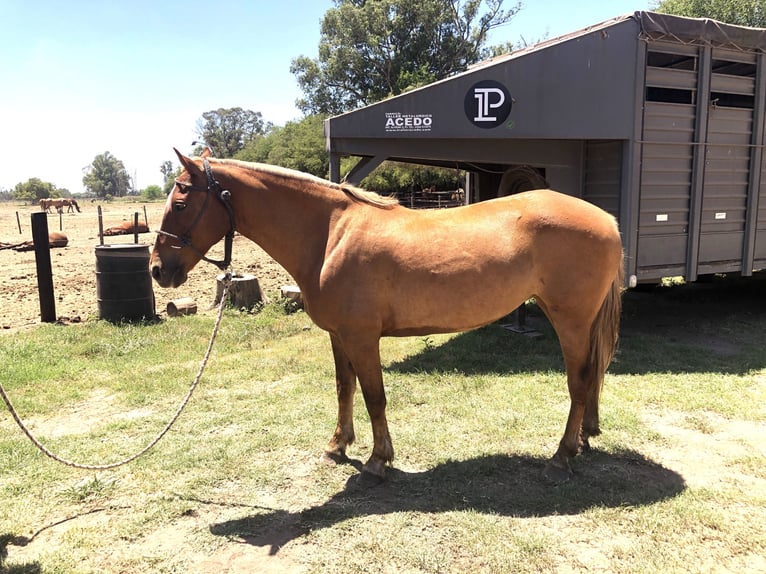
{"x":207,"y":152}
{"x":186,"y":162}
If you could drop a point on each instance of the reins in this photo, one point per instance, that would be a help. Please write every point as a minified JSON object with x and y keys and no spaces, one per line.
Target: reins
{"x":224,"y":196}
{"x":179,"y":410}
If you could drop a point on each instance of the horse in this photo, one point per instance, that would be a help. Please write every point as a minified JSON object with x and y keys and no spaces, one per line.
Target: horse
{"x":59,"y":203}
{"x":71,"y":205}
{"x":368,"y":268}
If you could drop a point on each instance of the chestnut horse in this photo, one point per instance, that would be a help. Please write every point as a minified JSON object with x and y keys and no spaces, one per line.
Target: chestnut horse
{"x":368,"y":268}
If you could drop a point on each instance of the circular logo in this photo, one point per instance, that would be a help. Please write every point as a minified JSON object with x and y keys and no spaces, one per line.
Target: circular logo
{"x":487,"y":104}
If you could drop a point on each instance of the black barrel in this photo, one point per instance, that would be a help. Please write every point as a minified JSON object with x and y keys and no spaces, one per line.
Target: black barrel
{"x":124,"y":282}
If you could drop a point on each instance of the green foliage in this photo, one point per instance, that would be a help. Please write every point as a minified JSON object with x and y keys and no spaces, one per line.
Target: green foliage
{"x":228,"y":130}
{"x":740,"y":12}
{"x":298,"y":145}
{"x":372,"y":50}
{"x":107,"y":176}
{"x":393,"y":178}
{"x":152,"y":192}
{"x":33,"y":190}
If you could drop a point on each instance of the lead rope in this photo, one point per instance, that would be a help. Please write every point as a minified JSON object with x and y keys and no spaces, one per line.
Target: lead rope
{"x":195,"y":382}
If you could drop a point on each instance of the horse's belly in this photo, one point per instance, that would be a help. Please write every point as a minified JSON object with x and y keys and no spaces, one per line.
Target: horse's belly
{"x":447,"y":307}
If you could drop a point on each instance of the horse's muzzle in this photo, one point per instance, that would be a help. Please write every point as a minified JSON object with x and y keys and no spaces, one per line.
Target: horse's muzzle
{"x":164,"y":278}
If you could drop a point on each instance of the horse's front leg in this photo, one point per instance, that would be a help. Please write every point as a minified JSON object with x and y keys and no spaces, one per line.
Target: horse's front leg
{"x":365,"y":358}
{"x":345,"y":385}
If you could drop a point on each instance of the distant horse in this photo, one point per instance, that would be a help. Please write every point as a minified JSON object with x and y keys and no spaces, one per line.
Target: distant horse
{"x":59,"y":203}
{"x":368,"y":268}
{"x":72,"y":205}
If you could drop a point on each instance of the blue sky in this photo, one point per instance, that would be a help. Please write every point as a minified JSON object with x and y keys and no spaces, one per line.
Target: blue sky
{"x":80,"y":78}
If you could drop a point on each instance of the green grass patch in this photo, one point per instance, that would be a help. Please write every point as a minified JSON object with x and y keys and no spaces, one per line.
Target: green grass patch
{"x":675,"y":483}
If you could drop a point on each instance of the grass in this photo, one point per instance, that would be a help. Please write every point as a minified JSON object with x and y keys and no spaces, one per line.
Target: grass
{"x":676,"y":483}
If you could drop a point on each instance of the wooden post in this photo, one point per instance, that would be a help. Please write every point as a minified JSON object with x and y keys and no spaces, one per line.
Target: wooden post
{"x":146,"y":219}
{"x":18,"y":222}
{"x":61,"y":220}
{"x":135,"y":228}
{"x":100,"y":227}
{"x":44,"y":271}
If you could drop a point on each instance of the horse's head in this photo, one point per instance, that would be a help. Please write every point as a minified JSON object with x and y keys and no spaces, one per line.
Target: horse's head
{"x":197,"y":214}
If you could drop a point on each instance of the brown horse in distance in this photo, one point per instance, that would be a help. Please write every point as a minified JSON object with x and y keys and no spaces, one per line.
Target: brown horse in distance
{"x":370,"y":268}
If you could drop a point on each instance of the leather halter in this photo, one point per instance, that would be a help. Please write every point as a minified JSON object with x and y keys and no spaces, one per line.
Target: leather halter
{"x":224,"y":196}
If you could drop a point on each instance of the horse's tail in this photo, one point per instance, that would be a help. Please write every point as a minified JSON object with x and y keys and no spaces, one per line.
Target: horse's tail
{"x":605,"y":331}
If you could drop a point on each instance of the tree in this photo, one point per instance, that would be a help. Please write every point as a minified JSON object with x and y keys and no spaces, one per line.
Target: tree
{"x":33,"y":190}
{"x":107,"y":176}
{"x":373,"y":49}
{"x":228,"y":130}
{"x":152,"y":192}
{"x":298,"y":145}
{"x":167,"y":170}
{"x":740,"y":12}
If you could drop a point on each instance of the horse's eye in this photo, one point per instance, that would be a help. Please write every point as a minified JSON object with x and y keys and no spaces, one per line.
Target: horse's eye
{"x":179,"y":206}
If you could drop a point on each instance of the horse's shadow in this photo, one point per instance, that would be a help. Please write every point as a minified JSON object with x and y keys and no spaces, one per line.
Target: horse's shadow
{"x":493,"y":484}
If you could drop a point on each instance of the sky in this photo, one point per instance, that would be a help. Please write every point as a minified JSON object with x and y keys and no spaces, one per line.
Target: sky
{"x":83,"y":77}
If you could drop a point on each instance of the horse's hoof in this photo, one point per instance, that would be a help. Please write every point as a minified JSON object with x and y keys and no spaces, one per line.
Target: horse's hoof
{"x":333,"y":458}
{"x":374,"y":468}
{"x":556,"y":473}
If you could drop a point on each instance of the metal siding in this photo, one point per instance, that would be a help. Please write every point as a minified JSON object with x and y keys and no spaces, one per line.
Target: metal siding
{"x":666,"y":172}
{"x":603,"y":175}
{"x":760,"y":234}
{"x":727,"y":171}
{"x":577,"y":88}
{"x":661,"y":78}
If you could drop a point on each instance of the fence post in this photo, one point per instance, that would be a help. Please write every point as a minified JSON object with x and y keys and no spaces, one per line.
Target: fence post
{"x":44,"y":270}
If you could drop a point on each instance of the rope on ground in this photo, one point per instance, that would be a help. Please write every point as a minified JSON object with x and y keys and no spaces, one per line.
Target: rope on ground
{"x":162,"y":433}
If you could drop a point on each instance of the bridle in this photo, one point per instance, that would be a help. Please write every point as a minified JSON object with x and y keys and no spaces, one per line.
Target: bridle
{"x":224,"y":195}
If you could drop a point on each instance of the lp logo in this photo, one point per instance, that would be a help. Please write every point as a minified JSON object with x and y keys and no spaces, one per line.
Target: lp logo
{"x":487,"y":104}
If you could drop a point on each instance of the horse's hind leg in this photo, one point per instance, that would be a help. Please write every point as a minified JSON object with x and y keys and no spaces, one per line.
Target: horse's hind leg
{"x":578,"y":382}
{"x":573,"y":329}
{"x":590,"y":422}
{"x":345,"y":384}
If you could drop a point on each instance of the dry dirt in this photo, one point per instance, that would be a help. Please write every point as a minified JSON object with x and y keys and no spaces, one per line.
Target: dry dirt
{"x":74,"y":266}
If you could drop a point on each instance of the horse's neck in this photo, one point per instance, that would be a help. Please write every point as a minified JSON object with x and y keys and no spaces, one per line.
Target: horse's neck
{"x":292,"y":226}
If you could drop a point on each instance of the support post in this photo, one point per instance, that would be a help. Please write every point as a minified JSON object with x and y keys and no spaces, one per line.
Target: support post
{"x":44,"y":270}
{"x":100,"y":227}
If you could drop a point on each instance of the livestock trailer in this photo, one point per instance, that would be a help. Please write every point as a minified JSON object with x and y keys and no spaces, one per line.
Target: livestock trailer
{"x":658,"y":119}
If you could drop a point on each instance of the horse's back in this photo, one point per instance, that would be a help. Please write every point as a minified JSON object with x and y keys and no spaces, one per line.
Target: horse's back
{"x":456,"y":269}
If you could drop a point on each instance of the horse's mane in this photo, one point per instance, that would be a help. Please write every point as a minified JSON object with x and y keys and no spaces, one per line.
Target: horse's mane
{"x":369,"y":197}
{"x":355,"y":193}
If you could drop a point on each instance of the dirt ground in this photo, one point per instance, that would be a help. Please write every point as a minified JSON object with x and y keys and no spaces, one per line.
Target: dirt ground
{"x":74,"y":266}
{"x":705,"y":460}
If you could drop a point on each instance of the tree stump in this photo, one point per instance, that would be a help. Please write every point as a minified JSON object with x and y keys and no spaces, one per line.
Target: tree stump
{"x":244,"y":291}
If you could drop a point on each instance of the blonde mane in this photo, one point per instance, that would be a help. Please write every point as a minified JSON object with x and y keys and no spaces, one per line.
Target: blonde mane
{"x":355,"y":193}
